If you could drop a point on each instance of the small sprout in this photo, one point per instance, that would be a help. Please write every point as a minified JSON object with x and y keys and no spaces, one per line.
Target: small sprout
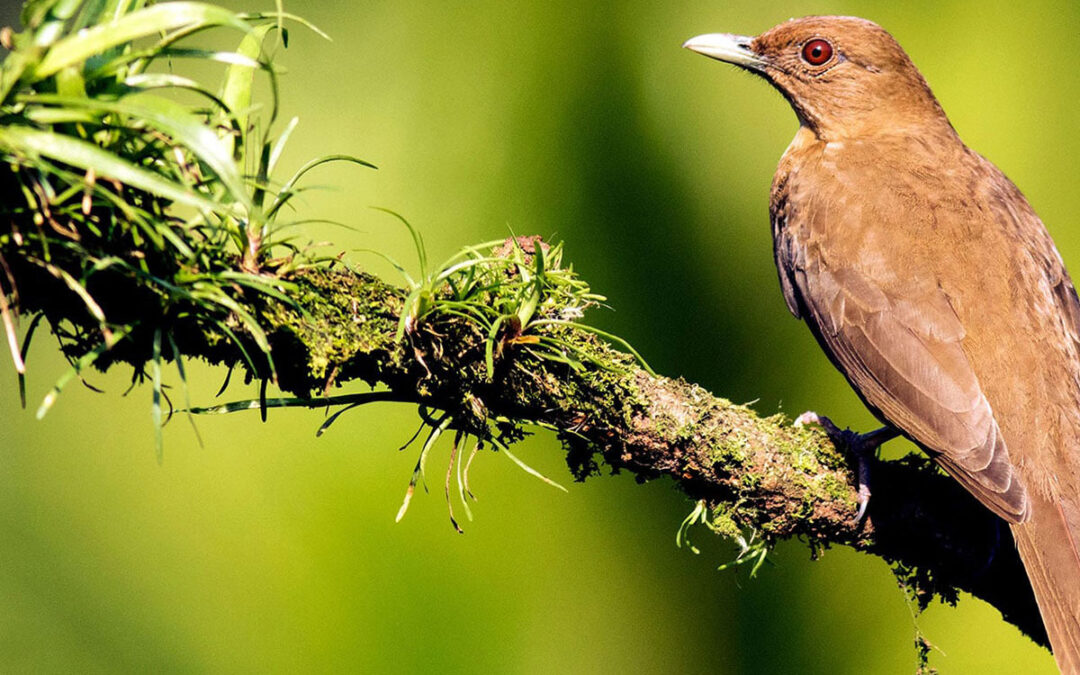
{"x":405,"y":502}
{"x":525,"y":467}
{"x":519,"y":294}
{"x":700,"y":514}
{"x":449,"y":473}
{"x":753,"y":551}
{"x":437,"y":429}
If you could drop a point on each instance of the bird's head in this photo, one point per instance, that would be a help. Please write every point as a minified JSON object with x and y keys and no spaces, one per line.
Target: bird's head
{"x":844,"y":76}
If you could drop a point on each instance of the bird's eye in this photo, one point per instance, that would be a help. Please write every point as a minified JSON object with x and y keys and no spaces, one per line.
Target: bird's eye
{"x":817,"y":52}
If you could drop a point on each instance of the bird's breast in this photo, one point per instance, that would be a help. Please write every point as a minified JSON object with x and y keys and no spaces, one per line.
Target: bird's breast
{"x":879,"y":202}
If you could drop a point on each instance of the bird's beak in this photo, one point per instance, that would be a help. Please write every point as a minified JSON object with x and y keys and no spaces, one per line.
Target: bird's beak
{"x":734,"y":49}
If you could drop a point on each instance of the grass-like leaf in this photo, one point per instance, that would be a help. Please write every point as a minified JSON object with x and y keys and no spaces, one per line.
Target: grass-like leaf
{"x":174,"y":120}
{"x":33,"y":144}
{"x":418,"y":473}
{"x":155,"y":411}
{"x":77,"y":367}
{"x":525,"y":467}
{"x":294,"y":402}
{"x":150,"y":21}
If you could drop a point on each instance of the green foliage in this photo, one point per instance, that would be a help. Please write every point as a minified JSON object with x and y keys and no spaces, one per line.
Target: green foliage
{"x":121,"y":173}
{"x":522,"y":303}
{"x":753,"y":550}
{"x":515,"y":295}
{"x":149,"y":197}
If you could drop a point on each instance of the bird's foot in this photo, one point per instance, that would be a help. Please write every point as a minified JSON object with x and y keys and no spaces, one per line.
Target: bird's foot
{"x":861,"y":446}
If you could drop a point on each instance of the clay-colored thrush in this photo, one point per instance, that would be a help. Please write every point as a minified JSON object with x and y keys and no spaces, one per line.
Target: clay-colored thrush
{"x":931,"y":284}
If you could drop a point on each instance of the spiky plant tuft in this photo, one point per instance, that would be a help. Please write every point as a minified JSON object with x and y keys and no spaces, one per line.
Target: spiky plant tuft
{"x":140,"y":203}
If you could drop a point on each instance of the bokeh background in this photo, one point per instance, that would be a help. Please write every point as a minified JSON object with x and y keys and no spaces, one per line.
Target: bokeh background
{"x":266,"y":549}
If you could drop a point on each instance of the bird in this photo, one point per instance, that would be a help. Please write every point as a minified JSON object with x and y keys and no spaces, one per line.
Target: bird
{"x":931,"y":284}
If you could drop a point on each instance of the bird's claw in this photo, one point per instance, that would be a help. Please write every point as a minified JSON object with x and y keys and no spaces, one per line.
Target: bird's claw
{"x":863,"y":498}
{"x":861,"y":446}
{"x":810,"y":417}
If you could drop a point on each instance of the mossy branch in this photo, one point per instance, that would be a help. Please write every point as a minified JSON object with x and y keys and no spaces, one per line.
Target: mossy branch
{"x":146,"y":232}
{"x":760,"y":478}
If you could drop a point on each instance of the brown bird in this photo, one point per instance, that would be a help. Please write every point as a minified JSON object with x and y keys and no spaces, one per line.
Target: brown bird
{"x":931,"y":284}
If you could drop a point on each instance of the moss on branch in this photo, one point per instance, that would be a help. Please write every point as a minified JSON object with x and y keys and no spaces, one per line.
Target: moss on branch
{"x":760,"y":479}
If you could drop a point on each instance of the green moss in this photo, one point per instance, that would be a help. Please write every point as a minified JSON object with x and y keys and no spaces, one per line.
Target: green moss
{"x":730,"y":447}
{"x":750,"y":480}
{"x":342,"y":316}
{"x":835,"y":489}
{"x":723,"y":522}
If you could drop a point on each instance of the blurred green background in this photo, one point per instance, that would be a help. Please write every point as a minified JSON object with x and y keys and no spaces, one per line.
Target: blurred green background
{"x":269,"y":550}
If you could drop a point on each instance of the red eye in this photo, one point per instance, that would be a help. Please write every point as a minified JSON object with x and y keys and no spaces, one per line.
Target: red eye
{"x":817,"y":52}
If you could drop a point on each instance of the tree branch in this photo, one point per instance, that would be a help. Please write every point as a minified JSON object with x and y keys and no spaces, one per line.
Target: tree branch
{"x":756,"y":475}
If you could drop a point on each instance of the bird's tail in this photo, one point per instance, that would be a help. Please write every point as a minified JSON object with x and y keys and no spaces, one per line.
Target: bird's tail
{"x":1049,"y":545}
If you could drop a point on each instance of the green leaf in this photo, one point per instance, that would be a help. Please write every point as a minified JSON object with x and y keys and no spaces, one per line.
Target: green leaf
{"x":184,"y":384}
{"x":311,"y":403}
{"x":418,"y":241}
{"x":77,"y":288}
{"x":155,"y":409}
{"x":682,"y":536}
{"x":174,"y":120}
{"x":604,"y":334}
{"x":239,"y":81}
{"x":462,"y":491}
{"x":449,"y":271}
{"x":150,"y":21}
{"x":525,"y":467}
{"x":288,"y":189}
{"x":333,"y":418}
{"x":81,"y":364}
{"x":418,"y":473}
{"x":23,"y":352}
{"x":279,"y":145}
{"x":534,"y":292}
{"x":489,"y":346}
{"x":396,"y":265}
{"x":281,"y":16}
{"x":50,"y":116}
{"x":60,"y":148}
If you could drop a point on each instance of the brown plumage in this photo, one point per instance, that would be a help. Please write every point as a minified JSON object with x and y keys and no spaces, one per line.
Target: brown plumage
{"x":931,"y":284}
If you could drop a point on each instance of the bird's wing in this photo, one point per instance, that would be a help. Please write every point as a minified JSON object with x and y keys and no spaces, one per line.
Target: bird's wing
{"x":784,"y":252}
{"x":902,"y":352}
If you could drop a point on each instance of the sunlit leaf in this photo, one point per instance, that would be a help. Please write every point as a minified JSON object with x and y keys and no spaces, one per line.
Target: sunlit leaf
{"x":60,"y":148}
{"x":150,"y":21}
{"x":174,"y":120}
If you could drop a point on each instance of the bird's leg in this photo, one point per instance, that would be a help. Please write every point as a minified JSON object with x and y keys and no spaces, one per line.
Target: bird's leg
{"x":861,"y":446}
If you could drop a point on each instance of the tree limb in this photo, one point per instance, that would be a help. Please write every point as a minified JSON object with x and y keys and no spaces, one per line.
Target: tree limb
{"x":757,"y":475}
